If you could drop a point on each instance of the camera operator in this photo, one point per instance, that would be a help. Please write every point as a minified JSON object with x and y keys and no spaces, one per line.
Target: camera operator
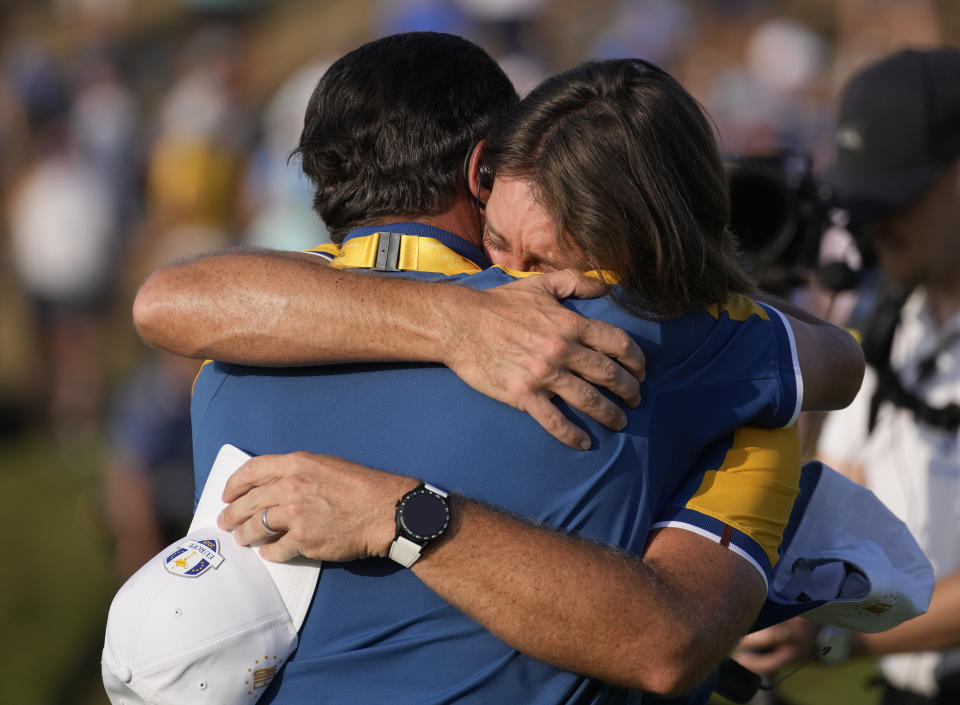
{"x":898,"y":169}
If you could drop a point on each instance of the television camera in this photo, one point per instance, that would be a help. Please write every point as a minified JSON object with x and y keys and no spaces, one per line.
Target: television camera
{"x":779,"y":213}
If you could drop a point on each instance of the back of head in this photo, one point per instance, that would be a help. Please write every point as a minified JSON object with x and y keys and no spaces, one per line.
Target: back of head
{"x":898,"y":127}
{"x":389,"y":124}
{"x":625,"y":161}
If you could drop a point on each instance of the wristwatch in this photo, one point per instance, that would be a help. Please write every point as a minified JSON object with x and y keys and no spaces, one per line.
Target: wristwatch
{"x":423,"y":514}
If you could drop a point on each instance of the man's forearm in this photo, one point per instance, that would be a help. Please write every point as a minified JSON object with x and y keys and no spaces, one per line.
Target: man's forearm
{"x":271,"y":308}
{"x":660,"y":624}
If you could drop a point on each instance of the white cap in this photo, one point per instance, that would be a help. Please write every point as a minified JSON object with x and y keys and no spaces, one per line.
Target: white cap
{"x":205,"y":620}
{"x":850,"y":550}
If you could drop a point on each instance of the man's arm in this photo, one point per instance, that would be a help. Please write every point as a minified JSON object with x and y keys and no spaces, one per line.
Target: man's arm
{"x":831,"y":360}
{"x":516,"y":343}
{"x":658,"y":624}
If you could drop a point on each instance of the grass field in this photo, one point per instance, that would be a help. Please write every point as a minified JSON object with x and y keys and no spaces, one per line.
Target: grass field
{"x":57,"y":576}
{"x":57,"y":581}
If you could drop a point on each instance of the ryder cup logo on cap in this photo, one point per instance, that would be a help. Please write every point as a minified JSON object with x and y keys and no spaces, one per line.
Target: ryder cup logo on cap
{"x":205,"y":621}
{"x":194,"y":558}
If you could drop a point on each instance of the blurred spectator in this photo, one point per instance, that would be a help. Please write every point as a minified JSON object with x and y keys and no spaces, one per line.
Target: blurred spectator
{"x":63,"y":230}
{"x":657,"y":30}
{"x":509,"y":28}
{"x":867,"y":29}
{"x":898,"y":168}
{"x":276,"y":193}
{"x":398,"y":16}
{"x":149,"y":475}
{"x":771,"y":100}
{"x":106,"y":127}
{"x":197,"y":157}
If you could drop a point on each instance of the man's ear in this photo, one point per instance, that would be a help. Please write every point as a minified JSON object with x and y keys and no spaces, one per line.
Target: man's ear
{"x":479,"y":176}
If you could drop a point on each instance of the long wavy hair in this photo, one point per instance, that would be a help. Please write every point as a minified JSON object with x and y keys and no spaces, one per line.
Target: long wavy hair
{"x":626,"y":163}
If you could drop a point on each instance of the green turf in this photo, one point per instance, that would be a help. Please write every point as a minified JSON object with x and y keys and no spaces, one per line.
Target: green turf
{"x":822,"y":685}
{"x":56,"y":577}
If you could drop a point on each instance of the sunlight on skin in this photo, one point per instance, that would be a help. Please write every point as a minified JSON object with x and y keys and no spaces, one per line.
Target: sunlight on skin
{"x":519,"y":233}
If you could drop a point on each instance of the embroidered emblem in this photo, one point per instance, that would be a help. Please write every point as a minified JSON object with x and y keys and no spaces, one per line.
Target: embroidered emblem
{"x":879,"y":604}
{"x":192,"y":558}
{"x":260,"y":674}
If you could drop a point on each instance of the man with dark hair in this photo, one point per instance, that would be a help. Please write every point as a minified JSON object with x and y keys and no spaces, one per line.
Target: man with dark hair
{"x":402,"y":166}
{"x":898,"y":169}
{"x":422,"y":421}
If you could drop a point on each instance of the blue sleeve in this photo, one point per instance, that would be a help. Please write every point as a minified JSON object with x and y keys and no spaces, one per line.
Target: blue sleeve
{"x":749,"y":349}
{"x":788,"y":369}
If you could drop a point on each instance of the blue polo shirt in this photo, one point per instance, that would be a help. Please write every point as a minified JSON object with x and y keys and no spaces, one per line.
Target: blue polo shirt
{"x":375,"y":633}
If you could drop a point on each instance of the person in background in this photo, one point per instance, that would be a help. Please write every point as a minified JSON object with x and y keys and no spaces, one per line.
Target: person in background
{"x":898,"y":170}
{"x":63,"y":222}
{"x":148,"y":478}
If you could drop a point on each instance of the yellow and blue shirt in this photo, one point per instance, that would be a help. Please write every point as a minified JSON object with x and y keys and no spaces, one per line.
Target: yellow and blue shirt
{"x":375,"y":633}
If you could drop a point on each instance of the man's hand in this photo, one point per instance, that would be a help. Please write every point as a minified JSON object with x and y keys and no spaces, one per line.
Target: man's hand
{"x":326,"y":507}
{"x":519,"y":345}
{"x":771,"y":649}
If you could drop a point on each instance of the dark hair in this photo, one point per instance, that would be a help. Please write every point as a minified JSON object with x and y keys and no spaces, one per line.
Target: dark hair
{"x":626,"y":163}
{"x":388,"y":125}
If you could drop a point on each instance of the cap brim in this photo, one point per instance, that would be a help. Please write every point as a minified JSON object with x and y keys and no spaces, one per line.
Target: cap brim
{"x":871,"y":194}
{"x":296,"y":580}
{"x":845,"y":524}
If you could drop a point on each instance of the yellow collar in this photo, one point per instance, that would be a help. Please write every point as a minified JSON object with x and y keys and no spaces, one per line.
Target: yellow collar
{"x":392,"y":252}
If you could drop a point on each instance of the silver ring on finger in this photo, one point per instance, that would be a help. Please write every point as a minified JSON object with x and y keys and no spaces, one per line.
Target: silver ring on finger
{"x":263,"y":520}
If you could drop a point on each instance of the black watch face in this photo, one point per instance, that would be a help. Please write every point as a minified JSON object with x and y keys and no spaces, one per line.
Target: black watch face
{"x":424,"y":515}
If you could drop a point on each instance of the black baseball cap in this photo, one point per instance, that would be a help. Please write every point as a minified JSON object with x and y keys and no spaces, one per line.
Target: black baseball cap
{"x":898,"y":126}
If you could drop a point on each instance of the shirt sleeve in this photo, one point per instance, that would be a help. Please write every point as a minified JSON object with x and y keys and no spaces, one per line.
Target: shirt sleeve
{"x":740,"y":493}
{"x":788,"y":367}
{"x":754,"y":344}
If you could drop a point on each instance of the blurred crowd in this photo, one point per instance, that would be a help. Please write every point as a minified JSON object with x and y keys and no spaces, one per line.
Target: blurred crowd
{"x":129,"y":137}
{"x":136,"y":132}
{"x":132,"y":134}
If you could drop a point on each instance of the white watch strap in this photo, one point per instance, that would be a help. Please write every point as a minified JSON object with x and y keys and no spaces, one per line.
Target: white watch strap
{"x":434,"y":489}
{"x":404,"y":551}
